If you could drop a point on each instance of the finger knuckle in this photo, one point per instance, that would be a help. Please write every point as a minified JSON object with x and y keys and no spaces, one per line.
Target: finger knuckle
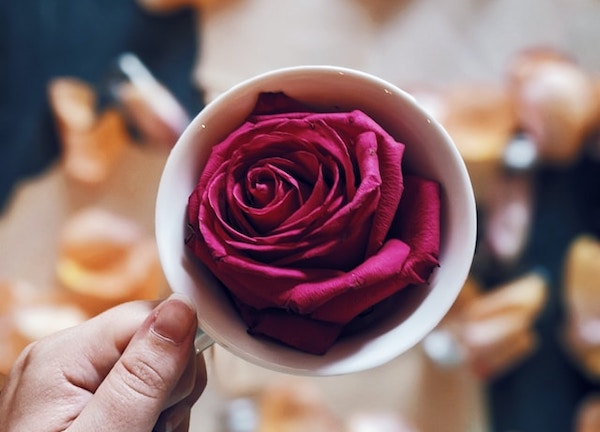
{"x":143,"y":378}
{"x":27,"y":357}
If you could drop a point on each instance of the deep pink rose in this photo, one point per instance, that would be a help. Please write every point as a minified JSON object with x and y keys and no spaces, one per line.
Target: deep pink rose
{"x":308,"y":221}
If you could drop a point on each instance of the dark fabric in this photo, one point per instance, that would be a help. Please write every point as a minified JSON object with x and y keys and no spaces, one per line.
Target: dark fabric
{"x":542,"y":394}
{"x":42,"y":39}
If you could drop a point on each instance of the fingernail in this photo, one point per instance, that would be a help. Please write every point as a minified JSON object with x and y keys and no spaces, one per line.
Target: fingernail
{"x":175,"y":319}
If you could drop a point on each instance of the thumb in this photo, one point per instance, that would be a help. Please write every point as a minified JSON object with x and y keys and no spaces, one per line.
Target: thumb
{"x":136,"y":390}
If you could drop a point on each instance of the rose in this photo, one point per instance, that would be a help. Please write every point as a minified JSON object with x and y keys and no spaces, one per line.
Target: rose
{"x":308,"y":220}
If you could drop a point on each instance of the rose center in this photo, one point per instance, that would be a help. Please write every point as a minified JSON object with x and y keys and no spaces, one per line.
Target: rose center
{"x":261,"y":186}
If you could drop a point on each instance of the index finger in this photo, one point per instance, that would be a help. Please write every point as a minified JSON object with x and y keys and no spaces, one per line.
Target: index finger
{"x":100,"y":341}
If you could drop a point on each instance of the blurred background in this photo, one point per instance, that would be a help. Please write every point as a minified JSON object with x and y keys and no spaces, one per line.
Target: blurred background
{"x":93,"y":94}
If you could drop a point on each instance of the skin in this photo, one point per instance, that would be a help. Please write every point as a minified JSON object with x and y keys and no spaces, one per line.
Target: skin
{"x":132,"y":368}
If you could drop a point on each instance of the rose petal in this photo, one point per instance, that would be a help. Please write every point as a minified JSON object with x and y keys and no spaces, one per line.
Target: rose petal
{"x":298,"y":331}
{"x":422,"y":203}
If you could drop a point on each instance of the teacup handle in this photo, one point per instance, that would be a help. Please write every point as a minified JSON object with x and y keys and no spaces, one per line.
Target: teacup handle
{"x":202,"y":341}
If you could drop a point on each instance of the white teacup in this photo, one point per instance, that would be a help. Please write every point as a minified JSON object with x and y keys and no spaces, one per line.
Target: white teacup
{"x":429,"y":152}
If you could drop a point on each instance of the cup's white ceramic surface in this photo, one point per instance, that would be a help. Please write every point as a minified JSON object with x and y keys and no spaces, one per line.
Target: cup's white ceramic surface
{"x":429,"y":152}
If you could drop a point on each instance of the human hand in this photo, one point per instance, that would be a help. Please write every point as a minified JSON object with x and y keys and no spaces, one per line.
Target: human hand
{"x":132,"y":368}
